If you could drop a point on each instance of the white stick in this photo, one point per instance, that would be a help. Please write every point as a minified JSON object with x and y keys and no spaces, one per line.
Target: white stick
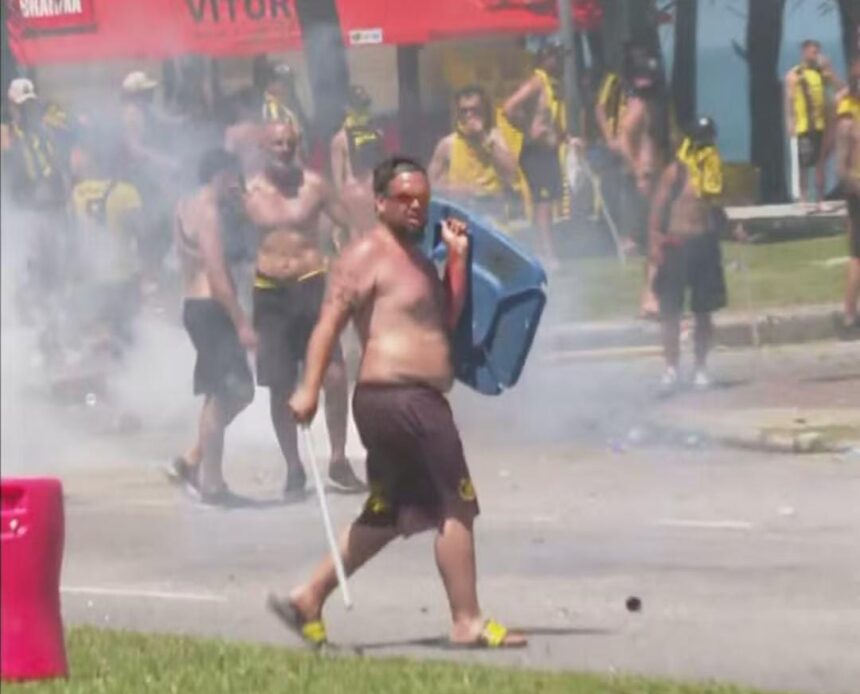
{"x":613,"y":230}
{"x":329,"y":531}
{"x":795,"y":169}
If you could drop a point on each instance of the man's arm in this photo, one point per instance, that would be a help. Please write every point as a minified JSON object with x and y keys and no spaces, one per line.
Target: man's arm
{"x":437,"y":171}
{"x":655,"y":216}
{"x":455,"y":236}
{"x":350,"y":284}
{"x":223,"y":291}
{"x":503,"y":159}
{"x":844,"y":153}
{"x":335,"y":210}
{"x":339,"y":156}
{"x":133,"y":130}
{"x":790,"y":86}
{"x":515,"y":106}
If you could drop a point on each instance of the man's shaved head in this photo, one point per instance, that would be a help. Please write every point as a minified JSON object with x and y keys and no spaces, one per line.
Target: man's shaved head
{"x":280,"y":142}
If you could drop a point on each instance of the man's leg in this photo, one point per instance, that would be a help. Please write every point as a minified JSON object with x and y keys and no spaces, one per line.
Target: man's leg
{"x":357,"y":545}
{"x":671,"y":340}
{"x":852,"y":292}
{"x":702,"y":337}
{"x":285,"y":430}
{"x":821,"y":178}
{"x":543,"y":224}
{"x":455,"y":559}
{"x":336,"y":408}
{"x":214,"y":419}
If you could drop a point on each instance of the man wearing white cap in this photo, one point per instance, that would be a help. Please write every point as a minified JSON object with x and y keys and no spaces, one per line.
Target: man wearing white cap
{"x":36,"y":179}
{"x":151,"y":169}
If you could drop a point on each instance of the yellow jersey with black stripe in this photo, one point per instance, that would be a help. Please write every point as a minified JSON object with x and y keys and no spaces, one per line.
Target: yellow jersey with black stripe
{"x":104,"y":212}
{"x":274,"y":111}
{"x":613,"y":98}
{"x":808,"y":100}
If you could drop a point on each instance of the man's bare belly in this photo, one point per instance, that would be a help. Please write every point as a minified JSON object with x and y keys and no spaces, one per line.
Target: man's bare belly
{"x":689,"y":217}
{"x":412,"y":358}
{"x":288,"y":255}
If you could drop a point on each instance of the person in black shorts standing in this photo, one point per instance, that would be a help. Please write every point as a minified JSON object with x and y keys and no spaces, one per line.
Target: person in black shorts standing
{"x":404,"y":315}
{"x":537,"y":110}
{"x":848,"y":169}
{"x":685,"y":248}
{"x":286,"y":203}
{"x":217,"y":325}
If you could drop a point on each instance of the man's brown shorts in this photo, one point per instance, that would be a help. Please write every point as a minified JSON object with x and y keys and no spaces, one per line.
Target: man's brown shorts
{"x":415,"y":460}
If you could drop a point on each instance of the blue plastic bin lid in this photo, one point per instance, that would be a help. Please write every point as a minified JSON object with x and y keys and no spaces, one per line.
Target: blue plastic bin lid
{"x":507,"y":294}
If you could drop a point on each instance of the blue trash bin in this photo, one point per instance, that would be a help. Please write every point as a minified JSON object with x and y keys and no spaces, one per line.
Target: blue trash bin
{"x":507,"y":295}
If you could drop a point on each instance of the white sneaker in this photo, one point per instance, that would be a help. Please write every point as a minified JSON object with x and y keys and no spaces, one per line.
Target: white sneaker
{"x":701,"y":380}
{"x":669,"y":380}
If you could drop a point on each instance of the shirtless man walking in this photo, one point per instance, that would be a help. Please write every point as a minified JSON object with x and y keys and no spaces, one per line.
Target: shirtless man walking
{"x":355,"y":149}
{"x":216,"y":323}
{"x":418,"y":475}
{"x":641,"y":160}
{"x":286,"y":202}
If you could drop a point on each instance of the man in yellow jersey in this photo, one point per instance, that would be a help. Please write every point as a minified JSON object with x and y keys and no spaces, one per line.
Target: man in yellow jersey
{"x":355,"y":150}
{"x":107,"y":213}
{"x":848,"y":170}
{"x":474,"y":163}
{"x":286,"y":203}
{"x":685,"y":249}
{"x":807,"y":104}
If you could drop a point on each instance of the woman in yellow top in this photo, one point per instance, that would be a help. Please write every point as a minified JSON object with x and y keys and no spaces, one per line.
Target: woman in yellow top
{"x":474,"y":162}
{"x":807,"y":109}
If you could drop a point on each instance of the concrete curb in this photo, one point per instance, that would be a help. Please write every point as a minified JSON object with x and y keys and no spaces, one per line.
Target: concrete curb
{"x":823,"y":431}
{"x":769,"y":327}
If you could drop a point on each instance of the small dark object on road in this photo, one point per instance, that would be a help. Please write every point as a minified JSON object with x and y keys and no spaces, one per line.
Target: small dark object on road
{"x":634,"y":604}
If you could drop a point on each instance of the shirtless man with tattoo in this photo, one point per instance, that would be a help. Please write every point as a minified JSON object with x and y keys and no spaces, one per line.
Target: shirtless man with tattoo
{"x":286,"y":203}
{"x":404,"y":314}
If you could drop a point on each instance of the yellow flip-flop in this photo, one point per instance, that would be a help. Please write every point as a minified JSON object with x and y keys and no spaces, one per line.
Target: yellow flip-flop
{"x":493,"y":636}
{"x":312,"y":633}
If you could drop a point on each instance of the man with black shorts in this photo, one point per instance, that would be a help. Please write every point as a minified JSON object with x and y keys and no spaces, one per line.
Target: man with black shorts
{"x":216,"y":323}
{"x":537,"y":110}
{"x":685,"y":249}
{"x":848,"y":170}
{"x":808,"y":110}
{"x":404,"y":315}
{"x":286,"y":203}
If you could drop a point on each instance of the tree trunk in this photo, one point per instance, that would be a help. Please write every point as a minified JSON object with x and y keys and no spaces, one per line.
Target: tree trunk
{"x":764,"y":35}
{"x":325,"y":56}
{"x":849,"y":13}
{"x":413,"y":140}
{"x":684,"y":63}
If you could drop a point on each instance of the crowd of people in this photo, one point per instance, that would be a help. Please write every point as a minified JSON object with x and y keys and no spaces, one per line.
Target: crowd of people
{"x":104,"y":204}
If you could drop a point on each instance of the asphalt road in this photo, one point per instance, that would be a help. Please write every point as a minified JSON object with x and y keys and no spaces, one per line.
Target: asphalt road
{"x":746,"y":564}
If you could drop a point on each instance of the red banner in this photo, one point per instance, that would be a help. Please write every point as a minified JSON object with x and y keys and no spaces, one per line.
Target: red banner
{"x":61,"y":31}
{"x":53,"y":16}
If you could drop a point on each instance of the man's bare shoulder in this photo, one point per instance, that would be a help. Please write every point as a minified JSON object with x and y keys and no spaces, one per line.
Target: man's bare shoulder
{"x":339,"y":139}
{"x":362,"y":251}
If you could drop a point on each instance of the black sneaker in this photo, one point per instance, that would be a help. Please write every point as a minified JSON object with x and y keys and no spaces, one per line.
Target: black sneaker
{"x":182,"y":474}
{"x":847,"y":331}
{"x":342,"y":479}
{"x":223,"y":498}
{"x":296,"y":489}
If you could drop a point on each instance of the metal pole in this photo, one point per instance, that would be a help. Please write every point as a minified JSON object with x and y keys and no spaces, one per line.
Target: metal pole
{"x":570,"y":86}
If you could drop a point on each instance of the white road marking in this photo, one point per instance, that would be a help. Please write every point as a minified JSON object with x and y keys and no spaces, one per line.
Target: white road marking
{"x":706,"y":524}
{"x":141,"y":593}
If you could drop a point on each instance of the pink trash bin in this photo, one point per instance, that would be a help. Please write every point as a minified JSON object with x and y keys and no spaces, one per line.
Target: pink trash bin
{"x":31,"y":542}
